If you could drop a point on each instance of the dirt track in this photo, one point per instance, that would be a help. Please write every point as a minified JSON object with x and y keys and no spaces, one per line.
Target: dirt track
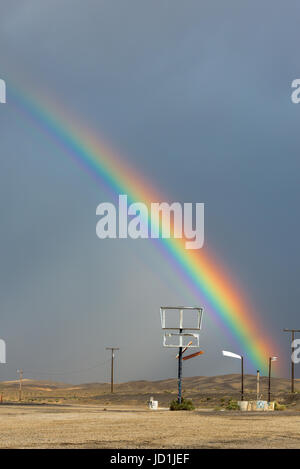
{"x":89,"y":426}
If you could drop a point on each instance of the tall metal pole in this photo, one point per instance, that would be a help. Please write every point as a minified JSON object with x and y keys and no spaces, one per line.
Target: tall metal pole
{"x":257,"y":385}
{"x":292,"y":363}
{"x":242,"y":376}
{"x":112,"y":367}
{"x":180,"y":374}
{"x":293,"y":368}
{"x":269,"y":387}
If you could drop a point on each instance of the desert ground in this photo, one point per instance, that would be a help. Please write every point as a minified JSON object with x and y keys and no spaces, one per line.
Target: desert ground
{"x":56,"y":415}
{"x":89,"y":426}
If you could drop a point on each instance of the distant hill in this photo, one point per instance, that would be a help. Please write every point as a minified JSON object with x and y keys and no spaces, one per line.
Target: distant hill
{"x":204,"y":390}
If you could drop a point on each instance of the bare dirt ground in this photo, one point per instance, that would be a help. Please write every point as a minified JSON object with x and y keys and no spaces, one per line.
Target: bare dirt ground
{"x":90,"y":426}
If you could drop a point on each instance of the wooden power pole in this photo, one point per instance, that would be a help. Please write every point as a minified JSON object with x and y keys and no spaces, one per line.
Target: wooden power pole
{"x":292,"y":363}
{"x":112,"y":367}
{"x":20,"y":373}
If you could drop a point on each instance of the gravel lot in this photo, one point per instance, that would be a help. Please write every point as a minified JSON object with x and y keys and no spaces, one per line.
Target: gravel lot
{"x":89,"y":426}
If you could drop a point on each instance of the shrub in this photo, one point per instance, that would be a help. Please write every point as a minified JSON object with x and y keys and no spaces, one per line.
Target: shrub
{"x":232,"y":405}
{"x":278,"y":406}
{"x":186,"y":404}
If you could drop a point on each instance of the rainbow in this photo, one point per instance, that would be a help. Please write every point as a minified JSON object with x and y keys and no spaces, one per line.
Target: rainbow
{"x":208,"y":281}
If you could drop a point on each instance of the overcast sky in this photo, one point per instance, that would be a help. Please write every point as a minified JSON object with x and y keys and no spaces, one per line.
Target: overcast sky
{"x":196,"y":96}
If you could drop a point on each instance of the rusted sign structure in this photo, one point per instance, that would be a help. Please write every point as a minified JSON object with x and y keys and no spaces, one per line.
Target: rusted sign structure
{"x":176,"y":321}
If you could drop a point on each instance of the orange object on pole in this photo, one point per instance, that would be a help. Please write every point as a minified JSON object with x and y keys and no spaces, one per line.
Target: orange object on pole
{"x":185,"y":348}
{"x":193,"y":355}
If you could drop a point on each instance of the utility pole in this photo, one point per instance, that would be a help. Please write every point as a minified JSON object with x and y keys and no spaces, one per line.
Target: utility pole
{"x":20,"y":373}
{"x":257,"y":385}
{"x":112,"y":367}
{"x":292,"y":363}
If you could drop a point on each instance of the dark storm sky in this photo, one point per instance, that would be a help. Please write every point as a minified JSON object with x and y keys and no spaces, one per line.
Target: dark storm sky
{"x":196,"y":96}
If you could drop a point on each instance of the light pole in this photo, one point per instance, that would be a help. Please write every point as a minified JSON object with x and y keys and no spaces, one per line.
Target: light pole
{"x":271,"y":359}
{"x":239,"y":357}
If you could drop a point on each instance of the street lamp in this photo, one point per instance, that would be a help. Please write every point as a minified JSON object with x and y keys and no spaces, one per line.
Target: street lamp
{"x":271,"y":359}
{"x":240,"y":357}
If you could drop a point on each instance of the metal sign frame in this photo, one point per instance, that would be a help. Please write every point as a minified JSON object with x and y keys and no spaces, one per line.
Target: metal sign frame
{"x":181,"y":337}
{"x":181,"y":326}
{"x":181,"y":334}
